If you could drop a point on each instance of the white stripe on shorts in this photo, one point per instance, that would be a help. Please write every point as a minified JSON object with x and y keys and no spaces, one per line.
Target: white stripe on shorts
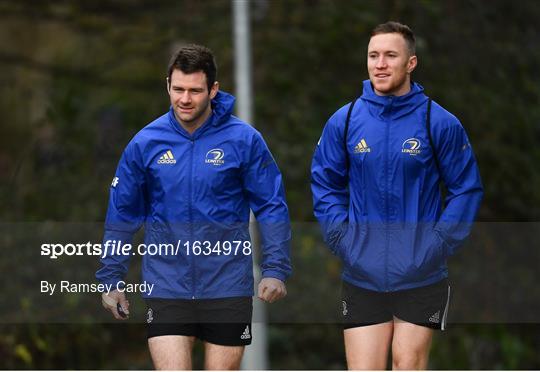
{"x":445,"y":314}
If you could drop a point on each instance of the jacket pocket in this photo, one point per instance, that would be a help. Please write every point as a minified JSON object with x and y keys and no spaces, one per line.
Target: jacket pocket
{"x":351,"y":245}
{"x":428,"y":257}
{"x":416,"y":254}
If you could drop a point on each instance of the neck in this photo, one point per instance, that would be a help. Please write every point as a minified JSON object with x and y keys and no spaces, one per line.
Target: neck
{"x":404,"y":89}
{"x":401,"y":91}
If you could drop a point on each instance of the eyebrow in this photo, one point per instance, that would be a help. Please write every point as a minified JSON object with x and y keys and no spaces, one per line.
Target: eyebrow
{"x":181,"y":87}
{"x":385,"y":51}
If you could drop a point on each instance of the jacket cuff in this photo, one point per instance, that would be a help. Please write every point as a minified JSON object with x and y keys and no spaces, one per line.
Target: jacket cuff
{"x":274,"y":274}
{"x":335,"y":240}
{"x":111,"y":233}
{"x":112,"y":282}
{"x":445,"y":248}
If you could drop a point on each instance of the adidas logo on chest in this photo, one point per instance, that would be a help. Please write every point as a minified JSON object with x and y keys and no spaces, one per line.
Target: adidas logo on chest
{"x":362,"y":147}
{"x":167,"y":158}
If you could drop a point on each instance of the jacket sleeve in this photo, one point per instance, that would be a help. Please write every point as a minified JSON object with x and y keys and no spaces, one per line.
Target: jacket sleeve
{"x":461,"y":176}
{"x":329,"y":182}
{"x":125,"y":215}
{"x":263,"y":185}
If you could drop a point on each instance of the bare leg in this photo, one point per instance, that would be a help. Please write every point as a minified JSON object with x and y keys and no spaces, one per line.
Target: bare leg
{"x":219,"y":357}
{"x":410,"y":345}
{"x":171,"y":352}
{"x":367,"y":347}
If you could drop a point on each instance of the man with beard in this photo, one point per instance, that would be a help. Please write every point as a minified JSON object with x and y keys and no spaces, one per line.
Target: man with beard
{"x":191,"y":177}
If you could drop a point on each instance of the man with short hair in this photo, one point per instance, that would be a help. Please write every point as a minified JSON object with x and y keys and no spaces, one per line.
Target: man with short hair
{"x":375,"y":182}
{"x":191,"y":177}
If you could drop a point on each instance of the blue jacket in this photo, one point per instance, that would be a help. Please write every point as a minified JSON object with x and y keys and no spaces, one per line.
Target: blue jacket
{"x":198,"y":187}
{"x":383,"y":216}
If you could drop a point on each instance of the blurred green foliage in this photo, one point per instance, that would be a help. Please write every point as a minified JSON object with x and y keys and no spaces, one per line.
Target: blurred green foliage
{"x":78,"y":79}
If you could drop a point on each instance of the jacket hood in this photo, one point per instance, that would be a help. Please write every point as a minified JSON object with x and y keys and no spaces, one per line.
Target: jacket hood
{"x":393,"y":106}
{"x":222,"y":106}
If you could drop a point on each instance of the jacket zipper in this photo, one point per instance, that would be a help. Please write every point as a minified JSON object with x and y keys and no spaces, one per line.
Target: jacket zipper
{"x":190,"y":243}
{"x":387,"y":195}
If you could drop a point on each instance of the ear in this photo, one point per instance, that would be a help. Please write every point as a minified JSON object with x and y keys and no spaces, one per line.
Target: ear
{"x":168,"y":86}
{"x":411,"y":65}
{"x":214,"y":90}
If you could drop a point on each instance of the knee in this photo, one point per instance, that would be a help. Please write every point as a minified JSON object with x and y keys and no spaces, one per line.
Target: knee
{"x":410,"y":360}
{"x":222,"y":365}
{"x":224,"y":359}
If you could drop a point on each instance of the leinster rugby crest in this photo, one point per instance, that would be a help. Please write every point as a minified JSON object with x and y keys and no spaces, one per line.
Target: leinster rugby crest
{"x":411,"y":146}
{"x":215,"y":157}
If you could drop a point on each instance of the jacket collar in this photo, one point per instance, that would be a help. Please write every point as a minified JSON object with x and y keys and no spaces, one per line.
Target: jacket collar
{"x":393,"y":107}
{"x":222,"y":108}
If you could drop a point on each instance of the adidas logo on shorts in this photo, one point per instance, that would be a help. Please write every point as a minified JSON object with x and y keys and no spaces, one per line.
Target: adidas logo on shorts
{"x":435,"y":318}
{"x":246,"y":335}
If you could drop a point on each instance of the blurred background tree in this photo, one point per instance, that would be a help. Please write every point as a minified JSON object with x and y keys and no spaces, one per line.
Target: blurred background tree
{"x":78,"y":79}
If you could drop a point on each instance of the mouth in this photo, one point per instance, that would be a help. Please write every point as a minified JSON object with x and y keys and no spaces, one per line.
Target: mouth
{"x":382,"y":76}
{"x":185,"y":110}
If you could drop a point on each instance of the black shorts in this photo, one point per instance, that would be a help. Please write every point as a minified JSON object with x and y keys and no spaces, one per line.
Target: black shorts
{"x":222,"y":321}
{"x":426,"y":306}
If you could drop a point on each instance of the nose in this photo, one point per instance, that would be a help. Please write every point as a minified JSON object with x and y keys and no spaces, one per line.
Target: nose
{"x":185,"y":97}
{"x":381,"y":62}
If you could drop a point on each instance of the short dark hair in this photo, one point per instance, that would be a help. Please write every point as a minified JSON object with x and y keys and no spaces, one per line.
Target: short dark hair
{"x":399,"y":28}
{"x":194,"y":58}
